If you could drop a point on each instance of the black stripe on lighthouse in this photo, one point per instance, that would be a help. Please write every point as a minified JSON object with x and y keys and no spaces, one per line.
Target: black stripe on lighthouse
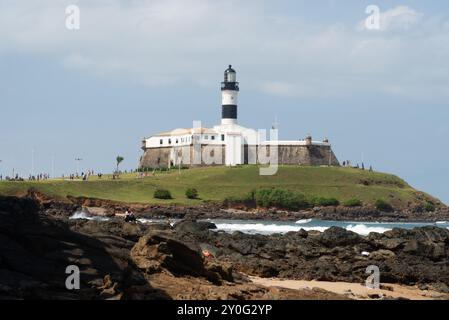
{"x":229,"y":112}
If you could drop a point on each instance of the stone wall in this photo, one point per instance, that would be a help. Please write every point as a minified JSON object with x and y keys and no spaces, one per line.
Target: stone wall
{"x":311,"y":155}
{"x":160,"y":157}
{"x":155,"y":158}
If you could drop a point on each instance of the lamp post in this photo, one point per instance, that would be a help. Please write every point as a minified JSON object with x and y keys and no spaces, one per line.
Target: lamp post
{"x":78,"y":164}
{"x":52,"y":166}
{"x":32,"y":162}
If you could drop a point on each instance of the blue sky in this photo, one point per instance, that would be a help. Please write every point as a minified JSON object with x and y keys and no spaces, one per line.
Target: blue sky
{"x":139,"y":67}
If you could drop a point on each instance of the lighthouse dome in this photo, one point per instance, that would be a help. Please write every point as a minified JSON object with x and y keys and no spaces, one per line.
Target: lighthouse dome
{"x":230,"y":75}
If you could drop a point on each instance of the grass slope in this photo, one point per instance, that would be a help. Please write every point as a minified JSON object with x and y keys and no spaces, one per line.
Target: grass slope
{"x":217,"y":183}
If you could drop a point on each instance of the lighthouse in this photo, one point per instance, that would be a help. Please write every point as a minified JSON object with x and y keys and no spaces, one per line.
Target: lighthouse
{"x":229,"y":94}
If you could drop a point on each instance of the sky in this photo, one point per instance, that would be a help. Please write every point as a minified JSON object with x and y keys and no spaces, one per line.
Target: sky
{"x":139,"y":67}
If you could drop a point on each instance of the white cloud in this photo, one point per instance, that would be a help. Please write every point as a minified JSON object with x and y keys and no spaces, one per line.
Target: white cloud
{"x":163,"y":42}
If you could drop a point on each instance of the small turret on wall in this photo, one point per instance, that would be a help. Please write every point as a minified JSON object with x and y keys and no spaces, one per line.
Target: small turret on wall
{"x":309,"y":140}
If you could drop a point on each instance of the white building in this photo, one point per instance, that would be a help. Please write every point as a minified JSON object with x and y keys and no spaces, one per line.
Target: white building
{"x":230,"y":143}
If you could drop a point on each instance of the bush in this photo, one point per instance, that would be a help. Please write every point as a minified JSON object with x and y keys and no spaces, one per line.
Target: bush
{"x":247,"y":198}
{"x":354,"y":202}
{"x":429,"y":206}
{"x":325,"y":202}
{"x":280,"y":198}
{"x":383,"y":205}
{"x":192,"y":193}
{"x":162,"y":194}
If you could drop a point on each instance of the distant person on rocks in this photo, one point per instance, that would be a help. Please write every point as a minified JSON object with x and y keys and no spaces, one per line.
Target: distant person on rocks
{"x":129,"y":217}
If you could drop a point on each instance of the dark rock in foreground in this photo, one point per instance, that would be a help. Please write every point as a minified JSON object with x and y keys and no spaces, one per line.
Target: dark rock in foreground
{"x":418,"y":256}
{"x":117,"y":260}
{"x":120,"y":260}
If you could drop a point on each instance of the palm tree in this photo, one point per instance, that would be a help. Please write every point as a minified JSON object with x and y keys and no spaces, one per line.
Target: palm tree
{"x":119,"y":159}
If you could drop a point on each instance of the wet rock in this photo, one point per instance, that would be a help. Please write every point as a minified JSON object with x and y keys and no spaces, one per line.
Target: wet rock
{"x":382,"y":255}
{"x":162,"y":250}
{"x":336,"y":236}
{"x":192,"y":226}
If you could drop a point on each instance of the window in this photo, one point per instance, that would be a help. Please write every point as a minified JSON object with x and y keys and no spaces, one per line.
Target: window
{"x":161,"y":141}
{"x":206,"y":137}
{"x":222,"y":137}
{"x":212,"y":137}
{"x":176,"y":140}
{"x":169,"y":141}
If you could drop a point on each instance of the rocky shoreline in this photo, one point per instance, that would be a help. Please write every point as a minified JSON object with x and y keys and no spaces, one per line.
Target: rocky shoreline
{"x":226,"y":211}
{"x":121,"y":260}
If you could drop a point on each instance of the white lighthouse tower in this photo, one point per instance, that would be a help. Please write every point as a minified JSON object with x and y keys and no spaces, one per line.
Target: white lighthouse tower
{"x":229,"y":95}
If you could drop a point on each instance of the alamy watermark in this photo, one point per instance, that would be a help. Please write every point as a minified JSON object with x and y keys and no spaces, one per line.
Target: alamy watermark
{"x":72,"y":17}
{"x":373,"y":280}
{"x":72,"y":282}
{"x":373,"y":20}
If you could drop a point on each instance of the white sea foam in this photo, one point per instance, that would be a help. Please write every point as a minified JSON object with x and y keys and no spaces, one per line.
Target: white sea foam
{"x":364,"y":230}
{"x":263,"y":228}
{"x":441,"y":222}
{"x":278,"y":228}
{"x":144,"y":220}
{"x":148,"y":221}
{"x":303,"y":221}
{"x":84,"y":215}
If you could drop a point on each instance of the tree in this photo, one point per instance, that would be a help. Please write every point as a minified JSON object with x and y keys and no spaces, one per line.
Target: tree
{"x":119,"y":159}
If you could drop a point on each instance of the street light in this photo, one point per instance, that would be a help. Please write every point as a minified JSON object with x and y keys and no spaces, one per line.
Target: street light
{"x":78,"y":165}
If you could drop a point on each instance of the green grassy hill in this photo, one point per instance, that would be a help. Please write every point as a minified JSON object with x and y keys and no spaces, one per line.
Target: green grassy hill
{"x":219,"y":183}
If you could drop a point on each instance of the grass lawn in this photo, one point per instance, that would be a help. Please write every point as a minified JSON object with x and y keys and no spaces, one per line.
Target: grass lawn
{"x":218,"y":183}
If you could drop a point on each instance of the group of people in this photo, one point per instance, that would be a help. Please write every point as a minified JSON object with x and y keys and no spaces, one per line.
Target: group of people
{"x":39,"y":177}
{"x":14,"y":178}
{"x":84,"y":175}
{"x":347,"y":163}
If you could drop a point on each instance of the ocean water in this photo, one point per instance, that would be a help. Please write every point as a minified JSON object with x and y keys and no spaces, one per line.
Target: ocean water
{"x":271,"y":227}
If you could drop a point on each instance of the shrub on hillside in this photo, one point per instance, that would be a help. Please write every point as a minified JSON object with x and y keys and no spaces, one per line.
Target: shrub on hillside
{"x":383,"y":205}
{"x":246,"y":198}
{"x":162,"y":194}
{"x":429,"y":206}
{"x":354,"y":202}
{"x":325,"y":202}
{"x":192,"y":193}
{"x":280,"y":198}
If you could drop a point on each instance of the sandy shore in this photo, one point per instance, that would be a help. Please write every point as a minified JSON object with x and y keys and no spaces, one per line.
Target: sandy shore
{"x":355,"y":290}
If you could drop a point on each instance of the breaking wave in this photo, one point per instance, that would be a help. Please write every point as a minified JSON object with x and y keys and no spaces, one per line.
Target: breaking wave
{"x":254,"y":228}
{"x":303,"y":221}
{"x":149,"y":221}
{"x":85,"y":216}
{"x":365,"y":230}
{"x":263,"y":228}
